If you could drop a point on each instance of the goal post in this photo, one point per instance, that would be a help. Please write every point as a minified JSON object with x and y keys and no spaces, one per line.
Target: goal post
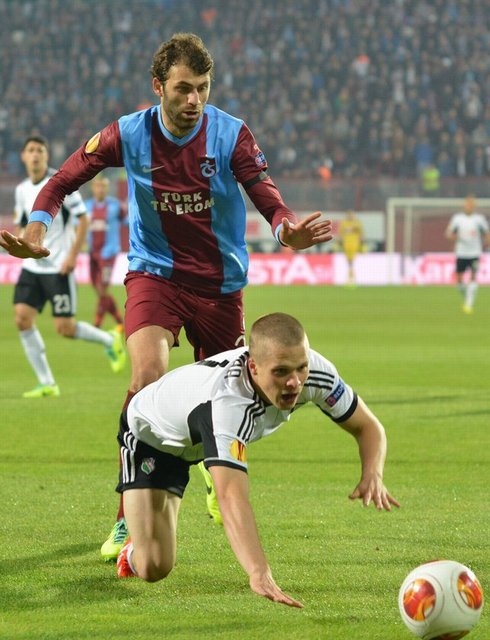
{"x":417,"y":225}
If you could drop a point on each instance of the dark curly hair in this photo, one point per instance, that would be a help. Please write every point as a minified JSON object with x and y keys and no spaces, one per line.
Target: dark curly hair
{"x":186,"y":48}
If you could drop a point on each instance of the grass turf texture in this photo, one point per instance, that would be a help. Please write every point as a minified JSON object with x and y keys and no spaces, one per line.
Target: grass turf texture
{"x":419,"y":362}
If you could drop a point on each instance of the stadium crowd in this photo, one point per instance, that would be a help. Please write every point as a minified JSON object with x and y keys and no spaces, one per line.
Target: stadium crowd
{"x":352,"y":87}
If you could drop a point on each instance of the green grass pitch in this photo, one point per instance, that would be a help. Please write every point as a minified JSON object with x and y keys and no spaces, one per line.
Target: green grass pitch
{"x":418,"y":361}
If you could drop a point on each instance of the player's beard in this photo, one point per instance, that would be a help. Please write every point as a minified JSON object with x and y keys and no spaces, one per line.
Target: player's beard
{"x":180,"y":125}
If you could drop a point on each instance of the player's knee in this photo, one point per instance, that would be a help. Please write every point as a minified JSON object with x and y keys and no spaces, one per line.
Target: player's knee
{"x":152,"y":571}
{"x":66,"y":328}
{"x":23,"y":323}
{"x":143,"y":376}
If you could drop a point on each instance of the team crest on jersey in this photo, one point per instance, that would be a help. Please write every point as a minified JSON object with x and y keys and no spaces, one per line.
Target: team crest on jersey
{"x":208,"y":167}
{"x":336,"y":394}
{"x":148,"y":465}
{"x":260,"y":160}
{"x":238,"y":451}
{"x":93,"y":143}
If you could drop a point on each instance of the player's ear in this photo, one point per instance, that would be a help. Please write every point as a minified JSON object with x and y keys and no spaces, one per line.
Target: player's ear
{"x":157,"y":86}
{"x":252,"y":366}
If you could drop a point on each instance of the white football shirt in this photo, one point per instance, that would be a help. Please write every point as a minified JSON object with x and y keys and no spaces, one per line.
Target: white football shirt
{"x":209,"y":410}
{"x":60,"y":235}
{"x":470,"y":230}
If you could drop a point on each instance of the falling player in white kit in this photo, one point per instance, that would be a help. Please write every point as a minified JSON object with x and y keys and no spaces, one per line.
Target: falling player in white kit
{"x":52,"y":278}
{"x":211,"y":410}
{"x":470,"y":232}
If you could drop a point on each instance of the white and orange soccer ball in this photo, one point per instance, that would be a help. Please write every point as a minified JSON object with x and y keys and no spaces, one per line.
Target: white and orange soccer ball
{"x":441,"y":600}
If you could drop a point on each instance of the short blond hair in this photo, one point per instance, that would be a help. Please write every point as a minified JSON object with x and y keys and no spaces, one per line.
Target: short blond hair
{"x":277,"y":327}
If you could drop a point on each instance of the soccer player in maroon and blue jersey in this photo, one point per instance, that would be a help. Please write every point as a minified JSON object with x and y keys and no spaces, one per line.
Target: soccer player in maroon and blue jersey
{"x":104,"y":245}
{"x":188,"y":261}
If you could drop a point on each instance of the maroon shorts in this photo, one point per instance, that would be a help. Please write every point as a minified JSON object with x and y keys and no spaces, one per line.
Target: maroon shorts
{"x":101,"y":270}
{"x":211,"y":325}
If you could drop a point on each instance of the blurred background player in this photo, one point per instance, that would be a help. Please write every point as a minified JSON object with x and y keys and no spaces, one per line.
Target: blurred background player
{"x":469,"y":230}
{"x":104,"y":244}
{"x":351,"y":237}
{"x":52,"y":278}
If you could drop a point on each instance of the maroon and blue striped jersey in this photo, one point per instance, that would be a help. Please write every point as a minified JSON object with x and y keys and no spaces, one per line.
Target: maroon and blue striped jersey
{"x":186,"y":211}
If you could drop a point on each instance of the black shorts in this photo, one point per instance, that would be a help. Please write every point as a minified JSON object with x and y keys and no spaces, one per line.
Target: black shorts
{"x":463,"y":264}
{"x":144,"y":467}
{"x":35,"y":289}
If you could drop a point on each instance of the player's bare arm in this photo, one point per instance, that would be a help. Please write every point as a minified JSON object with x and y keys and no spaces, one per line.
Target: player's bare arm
{"x":450,"y":234}
{"x":307,"y":232}
{"x":29,"y":245}
{"x":371,"y":438}
{"x":231,"y":487}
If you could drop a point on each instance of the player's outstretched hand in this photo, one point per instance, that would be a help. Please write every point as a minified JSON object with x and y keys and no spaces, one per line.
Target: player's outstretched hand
{"x":376,"y":493}
{"x":306,"y":232}
{"x":20,"y":247}
{"x":264,"y":585}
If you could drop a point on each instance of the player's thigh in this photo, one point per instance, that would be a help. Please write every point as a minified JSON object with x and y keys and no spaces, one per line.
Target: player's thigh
{"x":151,"y":516}
{"x":29,"y":292}
{"x":106,"y":271}
{"x":148,"y":349}
{"x":101,"y":272}
{"x":218,"y":325}
{"x":466,"y":264}
{"x":153,"y":484}
{"x":61,"y":291}
{"x":474,"y":266}
{"x":25,"y":316}
{"x":144,"y":467}
{"x":94,"y":270}
{"x":351,"y":253}
{"x":153,"y":301}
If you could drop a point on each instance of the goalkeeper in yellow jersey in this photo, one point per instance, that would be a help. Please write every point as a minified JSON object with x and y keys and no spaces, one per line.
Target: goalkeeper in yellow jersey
{"x":351,"y":236}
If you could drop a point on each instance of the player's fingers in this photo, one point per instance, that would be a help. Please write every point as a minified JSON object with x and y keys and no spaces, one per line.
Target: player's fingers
{"x":323,"y":236}
{"x":8,"y":240}
{"x":312,"y":216}
{"x":355,"y":494}
{"x":291,"y":602}
{"x":283,"y":598}
{"x":393,"y":501}
{"x":380,"y":502}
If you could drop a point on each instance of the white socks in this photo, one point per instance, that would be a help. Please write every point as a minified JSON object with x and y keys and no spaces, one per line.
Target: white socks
{"x":471,"y":290}
{"x":35,"y":351}
{"x":468,"y":291}
{"x":129,"y":556}
{"x":86,"y":331}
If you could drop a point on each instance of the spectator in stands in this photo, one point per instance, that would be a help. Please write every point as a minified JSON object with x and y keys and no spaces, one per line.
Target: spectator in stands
{"x":411,"y":64}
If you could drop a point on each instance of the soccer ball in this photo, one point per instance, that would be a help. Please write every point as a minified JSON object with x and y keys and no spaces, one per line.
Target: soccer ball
{"x":440,"y":600}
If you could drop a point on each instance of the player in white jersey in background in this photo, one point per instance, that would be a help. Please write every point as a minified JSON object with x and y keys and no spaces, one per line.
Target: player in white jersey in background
{"x":211,"y":410}
{"x":52,"y":278}
{"x":469,"y":231}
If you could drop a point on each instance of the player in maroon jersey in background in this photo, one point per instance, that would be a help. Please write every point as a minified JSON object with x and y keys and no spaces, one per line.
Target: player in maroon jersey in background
{"x":188,"y":261}
{"x":104,"y":242}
